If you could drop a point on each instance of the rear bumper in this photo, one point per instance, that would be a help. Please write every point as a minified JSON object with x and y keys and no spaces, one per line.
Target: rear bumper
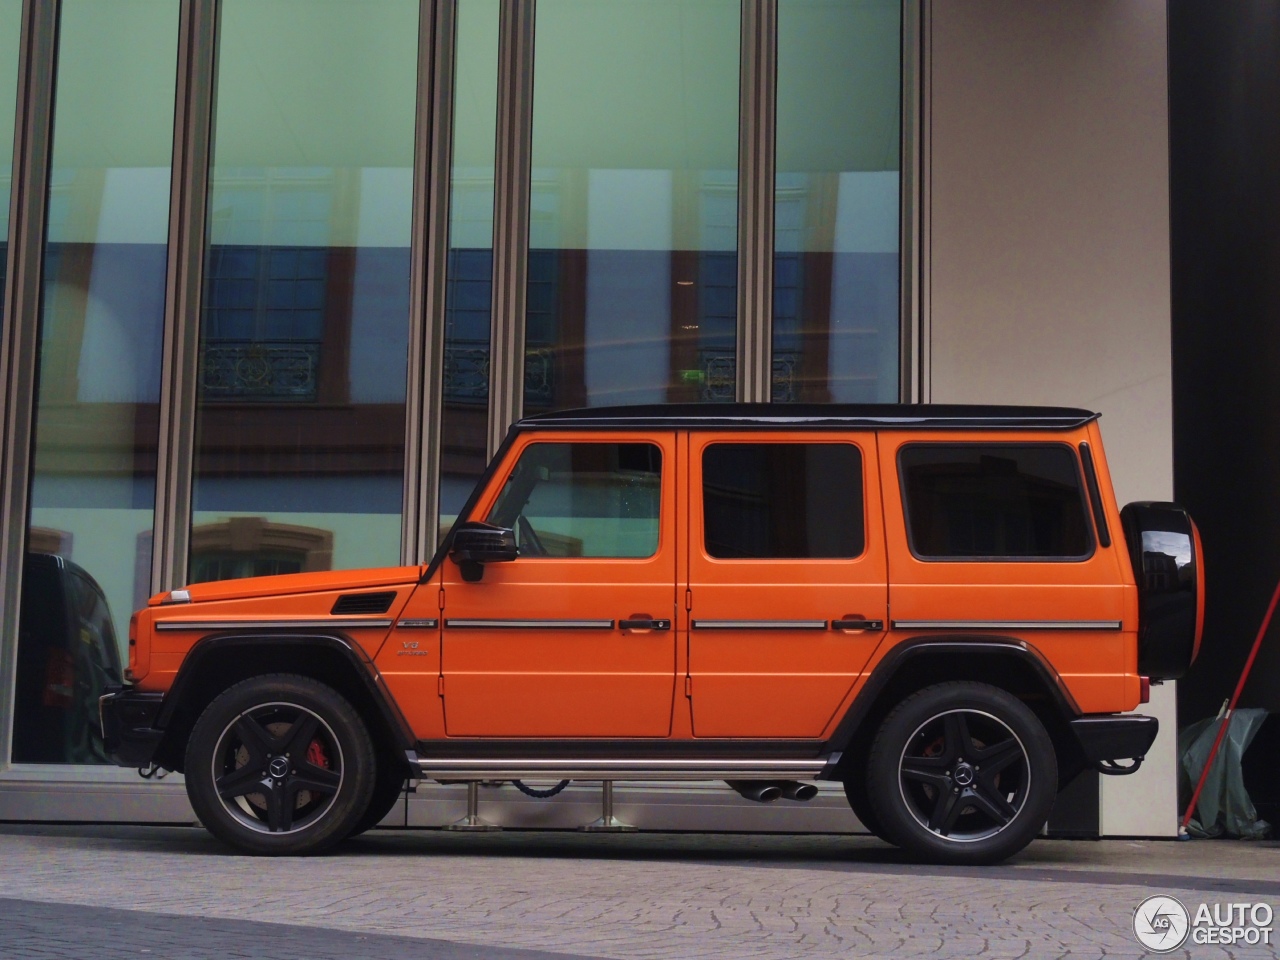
{"x":1109,"y":739}
{"x":128,"y":725}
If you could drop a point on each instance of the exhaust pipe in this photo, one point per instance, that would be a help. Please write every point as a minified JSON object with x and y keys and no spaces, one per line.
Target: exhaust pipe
{"x":794,"y":790}
{"x":761,"y":791}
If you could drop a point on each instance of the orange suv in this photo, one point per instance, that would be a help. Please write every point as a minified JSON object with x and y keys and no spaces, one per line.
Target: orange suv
{"x":941,"y":607}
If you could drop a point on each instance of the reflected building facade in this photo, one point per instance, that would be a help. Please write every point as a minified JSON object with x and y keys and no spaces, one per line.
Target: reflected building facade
{"x":261,"y":341}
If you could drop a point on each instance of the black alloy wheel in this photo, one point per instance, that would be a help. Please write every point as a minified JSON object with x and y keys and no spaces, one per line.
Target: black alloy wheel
{"x":855,"y":791}
{"x":962,"y":773}
{"x":280,"y":764}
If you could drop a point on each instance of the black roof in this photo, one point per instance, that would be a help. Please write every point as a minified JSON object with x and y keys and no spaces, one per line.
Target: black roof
{"x":902,"y":416}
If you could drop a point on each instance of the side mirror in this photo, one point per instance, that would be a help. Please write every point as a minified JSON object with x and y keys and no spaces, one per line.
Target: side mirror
{"x":476,"y":543}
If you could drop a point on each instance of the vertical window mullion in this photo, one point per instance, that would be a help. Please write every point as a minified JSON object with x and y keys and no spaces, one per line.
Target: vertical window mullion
{"x":192,"y":146}
{"x":437,"y":40}
{"x":512,"y":170}
{"x":756,"y":163}
{"x":914,"y":364}
{"x":33,"y":134}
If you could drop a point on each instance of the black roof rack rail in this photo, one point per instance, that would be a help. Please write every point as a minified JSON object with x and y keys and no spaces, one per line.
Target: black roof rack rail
{"x":899,"y":416}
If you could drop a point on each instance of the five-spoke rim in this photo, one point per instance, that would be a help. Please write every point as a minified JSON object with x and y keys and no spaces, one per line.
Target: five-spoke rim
{"x":277,"y":768}
{"x":964,"y":775}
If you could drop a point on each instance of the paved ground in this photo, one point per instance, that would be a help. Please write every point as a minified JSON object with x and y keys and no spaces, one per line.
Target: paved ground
{"x":165,"y":893}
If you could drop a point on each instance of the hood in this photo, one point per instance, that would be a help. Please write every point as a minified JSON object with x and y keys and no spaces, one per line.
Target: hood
{"x":295,"y":583}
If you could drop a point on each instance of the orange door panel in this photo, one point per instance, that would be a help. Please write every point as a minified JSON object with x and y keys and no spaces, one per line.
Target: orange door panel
{"x":787,"y":579}
{"x":1073,"y":608}
{"x":576,"y":637}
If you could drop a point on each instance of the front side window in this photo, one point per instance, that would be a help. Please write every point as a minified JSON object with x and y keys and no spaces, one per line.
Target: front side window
{"x":782,"y":500}
{"x":583,"y":500}
{"x":994,"y":502}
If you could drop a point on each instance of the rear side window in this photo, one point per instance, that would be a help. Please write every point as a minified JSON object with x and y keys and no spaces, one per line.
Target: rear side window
{"x":782,"y":500}
{"x":994,"y":502}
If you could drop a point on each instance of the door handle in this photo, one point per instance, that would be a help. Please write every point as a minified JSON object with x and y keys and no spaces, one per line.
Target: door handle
{"x":645,"y":624}
{"x":857,"y":624}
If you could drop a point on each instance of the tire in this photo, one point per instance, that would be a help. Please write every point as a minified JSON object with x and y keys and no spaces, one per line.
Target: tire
{"x":387,"y":789}
{"x":280,"y":764}
{"x":855,"y":791}
{"x":962,"y":773}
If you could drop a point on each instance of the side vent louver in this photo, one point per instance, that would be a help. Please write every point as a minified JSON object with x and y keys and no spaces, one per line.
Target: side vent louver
{"x":350,"y":603}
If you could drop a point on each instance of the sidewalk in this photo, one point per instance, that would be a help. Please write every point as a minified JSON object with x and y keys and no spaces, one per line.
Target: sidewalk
{"x":168,"y":892}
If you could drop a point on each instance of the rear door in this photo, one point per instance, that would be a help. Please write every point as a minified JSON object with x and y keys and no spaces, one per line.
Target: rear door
{"x":787,"y":579}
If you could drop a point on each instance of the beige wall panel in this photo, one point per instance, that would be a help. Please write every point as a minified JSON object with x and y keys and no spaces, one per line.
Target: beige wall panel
{"x":1048,"y":259}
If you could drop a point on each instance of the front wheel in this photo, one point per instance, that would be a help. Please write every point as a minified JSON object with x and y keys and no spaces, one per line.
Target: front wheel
{"x":280,"y":764}
{"x":962,"y":773}
{"x":388,"y":787}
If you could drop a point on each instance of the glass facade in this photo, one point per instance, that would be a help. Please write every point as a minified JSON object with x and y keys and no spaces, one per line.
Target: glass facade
{"x":469,"y":291}
{"x":305,"y":324}
{"x":632,"y":294}
{"x":836,"y":202}
{"x":92,"y":493}
{"x":306,"y":301}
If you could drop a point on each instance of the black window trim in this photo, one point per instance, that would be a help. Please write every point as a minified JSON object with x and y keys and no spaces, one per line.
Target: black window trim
{"x":1085,"y":512}
{"x":780,"y":440}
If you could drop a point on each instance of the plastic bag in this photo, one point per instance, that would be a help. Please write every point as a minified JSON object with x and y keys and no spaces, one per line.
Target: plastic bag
{"x":1224,"y":807}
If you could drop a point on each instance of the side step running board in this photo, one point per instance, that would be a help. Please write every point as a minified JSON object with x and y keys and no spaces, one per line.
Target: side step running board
{"x":655,"y":769}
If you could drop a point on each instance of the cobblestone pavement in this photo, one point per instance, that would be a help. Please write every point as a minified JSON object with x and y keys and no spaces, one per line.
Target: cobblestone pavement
{"x":102,"y":893}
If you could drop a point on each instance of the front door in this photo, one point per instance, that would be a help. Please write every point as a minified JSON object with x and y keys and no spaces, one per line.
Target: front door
{"x":574,"y":638}
{"x":787,"y":580}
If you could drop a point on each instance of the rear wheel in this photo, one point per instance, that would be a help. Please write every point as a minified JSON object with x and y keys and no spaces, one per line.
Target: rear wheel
{"x":855,"y":790}
{"x":962,"y":773}
{"x":280,"y":764}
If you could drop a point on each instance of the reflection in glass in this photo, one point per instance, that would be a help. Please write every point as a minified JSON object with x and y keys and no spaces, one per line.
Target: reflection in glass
{"x":776,"y":500}
{"x":96,"y":420}
{"x":304,"y":329}
{"x":835,"y":294}
{"x":633,"y":225}
{"x":469,"y":292}
{"x":994,"y":501}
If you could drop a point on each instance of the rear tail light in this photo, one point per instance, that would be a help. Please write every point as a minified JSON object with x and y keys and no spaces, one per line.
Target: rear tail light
{"x":1144,"y":687}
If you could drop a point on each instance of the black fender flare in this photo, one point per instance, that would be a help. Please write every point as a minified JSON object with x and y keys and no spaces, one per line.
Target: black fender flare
{"x":844,"y":742}
{"x":215,"y":647}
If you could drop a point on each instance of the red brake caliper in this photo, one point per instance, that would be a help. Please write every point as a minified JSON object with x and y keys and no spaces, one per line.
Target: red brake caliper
{"x":316,"y":755}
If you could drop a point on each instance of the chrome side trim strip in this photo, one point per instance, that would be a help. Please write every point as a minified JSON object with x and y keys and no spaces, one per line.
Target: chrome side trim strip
{"x":530,"y":624}
{"x":1007,"y":624}
{"x":648,"y":769}
{"x":759,"y":624}
{"x":418,"y":624}
{"x":177,"y":624}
